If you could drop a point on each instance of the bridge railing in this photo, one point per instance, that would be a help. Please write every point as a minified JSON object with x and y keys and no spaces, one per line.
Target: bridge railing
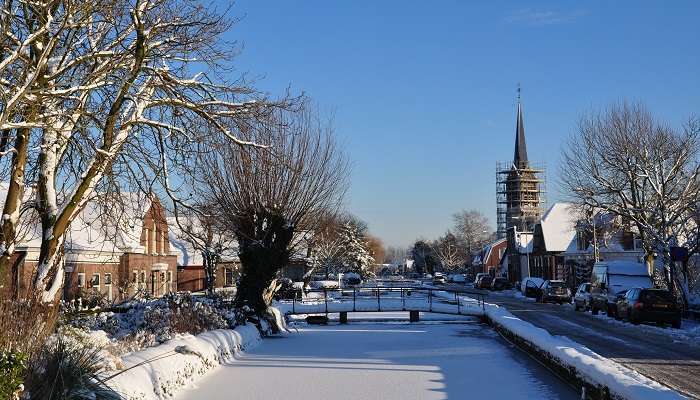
{"x":386,"y":298}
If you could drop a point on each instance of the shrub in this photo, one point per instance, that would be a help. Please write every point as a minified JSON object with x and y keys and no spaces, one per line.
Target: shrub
{"x":68,"y":371}
{"x":13,"y":367}
{"x":25,"y":324}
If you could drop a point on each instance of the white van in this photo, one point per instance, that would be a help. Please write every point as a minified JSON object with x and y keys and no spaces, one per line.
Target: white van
{"x":610,"y":278}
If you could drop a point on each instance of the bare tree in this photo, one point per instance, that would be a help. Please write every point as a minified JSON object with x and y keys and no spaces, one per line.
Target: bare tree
{"x":200,"y":227}
{"x":624,"y":161}
{"x":98,"y":97}
{"x":473,"y":229}
{"x":266,"y":196}
{"x":450,"y":252}
{"x":327,"y":244}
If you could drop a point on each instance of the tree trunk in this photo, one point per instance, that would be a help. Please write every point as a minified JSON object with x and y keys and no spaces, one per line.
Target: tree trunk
{"x":264,"y":238}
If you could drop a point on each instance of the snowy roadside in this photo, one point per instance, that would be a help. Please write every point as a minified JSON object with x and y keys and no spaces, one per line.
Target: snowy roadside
{"x":179,"y":362}
{"x":579,"y":360}
{"x":690,"y":329}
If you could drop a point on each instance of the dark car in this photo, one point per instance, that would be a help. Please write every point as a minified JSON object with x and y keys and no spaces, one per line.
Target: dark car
{"x":531,"y":287}
{"x":555,"y":292}
{"x":484,"y":282}
{"x":649,"y":305}
{"x":500,"y":284}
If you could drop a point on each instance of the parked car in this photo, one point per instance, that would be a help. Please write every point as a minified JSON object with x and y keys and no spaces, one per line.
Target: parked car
{"x":530,"y":287}
{"x":439,"y":280}
{"x":582,"y":297}
{"x":479,"y":276}
{"x":649,"y":305}
{"x":612,"y":277}
{"x":457,"y":278}
{"x":484,"y":282}
{"x":501,"y":284}
{"x":554,"y":291}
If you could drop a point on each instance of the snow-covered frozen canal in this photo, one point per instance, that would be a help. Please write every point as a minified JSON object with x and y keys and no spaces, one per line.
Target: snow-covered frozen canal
{"x":382,"y":361}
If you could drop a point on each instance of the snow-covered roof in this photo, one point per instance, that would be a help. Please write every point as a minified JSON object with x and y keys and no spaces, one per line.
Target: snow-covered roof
{"x":624,"y":267}
{"x":559,"y":227}
{"x":101,"y":227}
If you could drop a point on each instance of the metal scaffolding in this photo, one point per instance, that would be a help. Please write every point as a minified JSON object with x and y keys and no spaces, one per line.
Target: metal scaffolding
{"x":520,"y":196}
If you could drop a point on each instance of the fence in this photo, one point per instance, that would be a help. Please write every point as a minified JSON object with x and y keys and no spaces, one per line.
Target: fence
{"x":386,"y":298}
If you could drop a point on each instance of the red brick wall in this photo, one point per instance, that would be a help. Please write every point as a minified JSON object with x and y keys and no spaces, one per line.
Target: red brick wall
{"x":192,"y":277}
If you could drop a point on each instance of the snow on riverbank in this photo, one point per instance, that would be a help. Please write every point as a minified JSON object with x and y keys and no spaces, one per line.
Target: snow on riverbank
{"x":179,"y":362}
{"x":620,"y":380}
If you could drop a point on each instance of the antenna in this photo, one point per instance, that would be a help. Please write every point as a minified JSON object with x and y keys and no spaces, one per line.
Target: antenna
{"x":518,"y":90}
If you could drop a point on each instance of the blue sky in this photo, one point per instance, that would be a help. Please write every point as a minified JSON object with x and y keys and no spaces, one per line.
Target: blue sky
{"x":423,"y":93}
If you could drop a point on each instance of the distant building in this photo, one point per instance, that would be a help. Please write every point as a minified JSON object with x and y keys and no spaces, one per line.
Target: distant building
{"x":614,"y":240}
{"x":519,"y":188}
{"x":488,"y":260}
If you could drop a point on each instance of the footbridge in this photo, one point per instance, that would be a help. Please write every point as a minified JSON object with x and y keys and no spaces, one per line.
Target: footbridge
{"x":384,"y":299}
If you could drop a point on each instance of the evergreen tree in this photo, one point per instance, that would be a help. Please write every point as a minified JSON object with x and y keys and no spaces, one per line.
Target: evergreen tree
{"x":355,"y":255}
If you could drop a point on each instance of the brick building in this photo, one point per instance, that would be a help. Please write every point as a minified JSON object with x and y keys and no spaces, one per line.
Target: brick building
{"x":190,"y":263}
{"x":115,"y":249}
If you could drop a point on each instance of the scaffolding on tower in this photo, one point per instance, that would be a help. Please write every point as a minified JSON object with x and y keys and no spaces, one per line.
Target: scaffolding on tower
{"x":520,"y":196}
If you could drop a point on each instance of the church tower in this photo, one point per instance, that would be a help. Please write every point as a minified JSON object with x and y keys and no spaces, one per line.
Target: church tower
{"x":519,"y":186}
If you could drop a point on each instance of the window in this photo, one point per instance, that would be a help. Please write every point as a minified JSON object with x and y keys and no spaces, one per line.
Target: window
{"x":142,"y":277}
{"x":108,"y":279}
{"x":81,"y":279}
{"x":170,"y":276}
{"x":228,"y":277}
{"x":147,"y":240}
{"x":134,"y":276}
{"x":95,"y":281}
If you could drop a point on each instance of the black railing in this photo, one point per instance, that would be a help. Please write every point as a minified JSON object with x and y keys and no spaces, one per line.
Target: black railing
{"x":345,"y":295}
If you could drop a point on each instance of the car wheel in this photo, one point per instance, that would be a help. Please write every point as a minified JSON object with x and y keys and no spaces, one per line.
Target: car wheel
{"x":576,"y":307}
{"x":676,"y":324}
{"x":634,"y":320}
{"x":594,"y":311}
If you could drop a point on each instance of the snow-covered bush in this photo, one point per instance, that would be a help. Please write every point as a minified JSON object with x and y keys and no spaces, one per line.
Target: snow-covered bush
{"x":144,"y":323}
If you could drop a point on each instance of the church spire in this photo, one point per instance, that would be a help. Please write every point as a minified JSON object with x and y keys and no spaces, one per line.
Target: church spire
{"x":520,"y":156}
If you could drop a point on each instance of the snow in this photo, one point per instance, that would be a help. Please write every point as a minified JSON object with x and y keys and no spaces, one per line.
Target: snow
{"x":180,"y":362}
{"x":620,"y":380}
{"x":382,"y":361}
{"x":624,"y":267}
{"x":559,"y":227}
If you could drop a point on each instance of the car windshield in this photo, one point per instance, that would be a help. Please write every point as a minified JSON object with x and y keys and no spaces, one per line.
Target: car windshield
{"x":556,"y":284}
{"x":656,"y":296}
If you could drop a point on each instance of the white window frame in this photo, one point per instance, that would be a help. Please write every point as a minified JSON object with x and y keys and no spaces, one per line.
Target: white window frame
{"x":99,"y":281}
{"x":81,"y":275}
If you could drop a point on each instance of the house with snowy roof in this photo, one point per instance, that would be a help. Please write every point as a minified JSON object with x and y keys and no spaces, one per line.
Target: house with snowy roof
{"x":488,"y":260}
{"x":115,"y":248}
{"x":551,"y":238}
{"x":604,"y":237}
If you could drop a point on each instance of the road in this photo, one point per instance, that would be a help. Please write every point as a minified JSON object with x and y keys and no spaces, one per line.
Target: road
{"x":668,"y":360}
{"x":421,"y":361}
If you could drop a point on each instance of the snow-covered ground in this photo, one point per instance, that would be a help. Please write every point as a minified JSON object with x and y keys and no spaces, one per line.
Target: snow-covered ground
{"x":161,"y":371}
{"x":382,"y":361}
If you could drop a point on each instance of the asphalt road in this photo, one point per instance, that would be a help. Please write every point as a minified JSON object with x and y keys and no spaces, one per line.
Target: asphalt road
{"x":668,"y":360}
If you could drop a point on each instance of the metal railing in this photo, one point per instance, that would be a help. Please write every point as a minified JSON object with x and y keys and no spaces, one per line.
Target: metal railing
{"x":394,"y":298}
